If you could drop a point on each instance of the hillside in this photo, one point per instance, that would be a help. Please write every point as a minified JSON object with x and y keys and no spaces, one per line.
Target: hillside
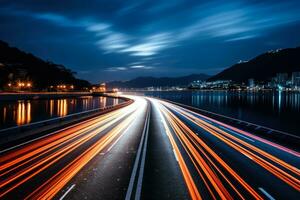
{"x":142,"y":82}
{"x":263,"y":67}
{"x":17,"y":65}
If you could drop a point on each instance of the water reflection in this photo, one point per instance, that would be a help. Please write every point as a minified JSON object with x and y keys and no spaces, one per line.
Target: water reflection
{"x":278,"y":110}
{"x":103,"y":101}
{"x":62,"y":109}
{"x":279,"y":100}
{"x":51,"y":107}
{"x":23,"y":113}
{"x":115,"y":101}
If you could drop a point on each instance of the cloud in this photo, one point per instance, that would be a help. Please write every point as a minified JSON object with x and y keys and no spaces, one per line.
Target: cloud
{"x":151,"y":45}
{"x":133,"y":67}
{"x":113,"y":42}
{"x":114,"y":69}
{"x":140,"y":35}
{"x":98,"y":27}
{"x":140,"y":67}
{"x":137,"y":66}
{"x":246,"y":37}
{"x":230,"y":21}
{"x":239,"y":20}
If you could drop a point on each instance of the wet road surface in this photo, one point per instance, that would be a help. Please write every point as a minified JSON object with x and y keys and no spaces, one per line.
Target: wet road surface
{"x":150,"y":149}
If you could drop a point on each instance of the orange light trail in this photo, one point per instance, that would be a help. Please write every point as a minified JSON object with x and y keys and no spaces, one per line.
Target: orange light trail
{"x":181,"y":129}
{"x":24,"y":163}
{"x":192,"y":188}
{"x":234,"y":142}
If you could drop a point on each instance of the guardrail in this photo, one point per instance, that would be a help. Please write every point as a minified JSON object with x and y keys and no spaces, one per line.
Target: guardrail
{"x":8,"y":133}
{"x":259,"y":130}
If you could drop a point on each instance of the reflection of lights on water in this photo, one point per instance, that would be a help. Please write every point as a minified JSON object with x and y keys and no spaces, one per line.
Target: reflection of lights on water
{"x":104,"y":102}
{"x":85,"y":104}
{"x":51,"y":107}
{"x":23,"y":113}
{"x":62,"y":108}
{"x":279,"y":99}
{"x":28,"y":118}
{"x":4,"y":114}
{"x":115,"y":101}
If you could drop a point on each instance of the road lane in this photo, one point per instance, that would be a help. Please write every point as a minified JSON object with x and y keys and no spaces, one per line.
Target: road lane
{"x":42,"y":168}
{"x":162,"y":177}
{"x":108,"y":174}
{"x":151,"y":149}
{"x":231,"y":163}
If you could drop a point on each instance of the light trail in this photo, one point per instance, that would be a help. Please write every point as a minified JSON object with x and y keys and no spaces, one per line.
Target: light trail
{"x":234,"y":143}
{"x":21,"y":165}
{"x":211,"y":168}
{"x":207,"y":172}
{"x":181,"y":130}
{"x":192,"y":188}
{"x":57,"y":182}
{"x":280,"y":147}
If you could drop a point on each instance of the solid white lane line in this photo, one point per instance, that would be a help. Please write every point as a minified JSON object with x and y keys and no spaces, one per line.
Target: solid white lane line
{"x":65,"y":194}
{"x":135,"y":167}
{"x":266,"y":193}
{"x":141,"y":173}
{"x":117,"y":140}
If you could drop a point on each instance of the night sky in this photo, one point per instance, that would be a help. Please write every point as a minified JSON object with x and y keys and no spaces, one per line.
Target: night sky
{"x":120,"y":40}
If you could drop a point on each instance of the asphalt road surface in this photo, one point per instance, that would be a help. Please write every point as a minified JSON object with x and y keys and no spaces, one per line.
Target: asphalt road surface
{"x":150,"y":149}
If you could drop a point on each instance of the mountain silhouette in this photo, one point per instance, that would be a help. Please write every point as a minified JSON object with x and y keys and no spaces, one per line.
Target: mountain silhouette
{"x":17,"y":65}
{"x":148,"y":81}
{"x":263,"y":67}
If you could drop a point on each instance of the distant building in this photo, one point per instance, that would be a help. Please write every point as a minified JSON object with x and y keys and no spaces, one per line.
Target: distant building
{"x":251,"y":83}
{"x":296,"y":79}
{"x":99,"y":88}
{"x":281,"y":78}
{"x":198,"y":84}
{"x":221,"y":84}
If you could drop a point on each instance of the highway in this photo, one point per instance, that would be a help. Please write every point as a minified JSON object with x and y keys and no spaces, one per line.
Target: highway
{"x":150,"y":149}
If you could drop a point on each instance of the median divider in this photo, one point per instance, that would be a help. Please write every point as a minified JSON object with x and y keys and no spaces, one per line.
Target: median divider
{"x":12,"y":134}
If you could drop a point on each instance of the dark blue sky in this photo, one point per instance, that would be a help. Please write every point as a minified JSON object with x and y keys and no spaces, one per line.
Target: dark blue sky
{"x":122,"y":39}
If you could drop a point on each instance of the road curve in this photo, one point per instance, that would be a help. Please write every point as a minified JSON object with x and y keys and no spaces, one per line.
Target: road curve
{"x":44,"y":168}
{"x":151,"y":149}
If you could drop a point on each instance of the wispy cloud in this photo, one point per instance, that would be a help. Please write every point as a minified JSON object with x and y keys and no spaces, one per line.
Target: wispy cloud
{"x":138,"y":36}
{"x":141,"y":67}
{"x":151,"y":45}
{"x":233,"y":21}
{"x":130,"y":68}
{"x":245,"y":37}
{"x":113,"y":42}
{"x":240,"y":21}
